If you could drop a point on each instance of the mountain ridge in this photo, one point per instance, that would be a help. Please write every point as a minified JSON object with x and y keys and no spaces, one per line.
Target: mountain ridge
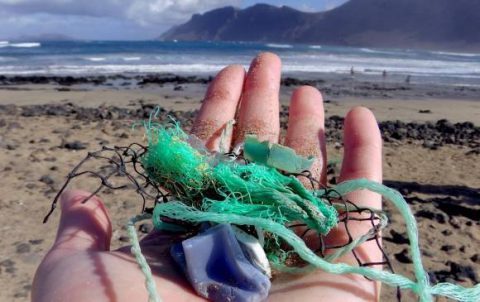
{"x":446,"y":25}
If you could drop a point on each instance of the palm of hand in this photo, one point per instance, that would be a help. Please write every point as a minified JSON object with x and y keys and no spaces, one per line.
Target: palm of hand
{"x":80,"y":267}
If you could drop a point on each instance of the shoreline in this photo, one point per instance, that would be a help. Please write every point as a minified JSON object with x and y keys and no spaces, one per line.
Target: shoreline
{"x":333,"y":85}
{"x":389,"y":101}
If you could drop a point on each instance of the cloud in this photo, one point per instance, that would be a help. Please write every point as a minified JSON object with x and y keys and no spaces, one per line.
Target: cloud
{"x":307,"y":8}
{"x":171,"y":11}
{"x":115,"y":19}
{"x":331,"y":4}
{"x":144,"y":12}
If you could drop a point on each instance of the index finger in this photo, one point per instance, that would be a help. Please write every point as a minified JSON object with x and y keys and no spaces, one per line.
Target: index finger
{"x":219,"y":106}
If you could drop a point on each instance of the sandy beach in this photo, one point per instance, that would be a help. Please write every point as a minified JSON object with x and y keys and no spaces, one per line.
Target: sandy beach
{"x":431,"y":154}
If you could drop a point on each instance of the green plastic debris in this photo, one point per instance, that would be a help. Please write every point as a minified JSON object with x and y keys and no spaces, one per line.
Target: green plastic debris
{"x":275,"y":156}
{"x":212,"y":184}
{"x":206,"y":187}
{"x":172,"y":162}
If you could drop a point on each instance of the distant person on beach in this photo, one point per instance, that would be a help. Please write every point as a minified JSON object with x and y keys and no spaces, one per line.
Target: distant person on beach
{"x":407,"y":79}
{"x":81,"y":267}
{"x":352,"y":71}
{"x":384,"y":74}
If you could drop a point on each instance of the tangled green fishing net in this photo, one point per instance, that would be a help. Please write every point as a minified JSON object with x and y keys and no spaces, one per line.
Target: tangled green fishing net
{"x":215,"y":188}
{"x":225,"y":186}
{"x":173,"y":163}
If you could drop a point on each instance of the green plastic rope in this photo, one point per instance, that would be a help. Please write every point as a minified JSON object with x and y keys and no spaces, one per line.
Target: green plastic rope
{"x":142,"y":262}
{"x":212,"y":188}
{"x":422,"y":287}
{"x":178,"y":210}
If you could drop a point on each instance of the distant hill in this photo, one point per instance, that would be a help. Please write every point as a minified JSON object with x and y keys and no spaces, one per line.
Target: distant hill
{"x":439,"y":24}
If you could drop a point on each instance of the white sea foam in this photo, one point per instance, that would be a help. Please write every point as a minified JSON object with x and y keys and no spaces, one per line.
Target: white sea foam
{"x":114,"y":69}
{"x":368,"y":50}
{"x":273,"y":45}
{"x":457,"y":54}
{"x":132,"y":58}
{"x":378,"y":51}
{"x":96,"y":59}
{"x":315,"y":46}
{"x":25,"y":44}
{"x":299,"y":64}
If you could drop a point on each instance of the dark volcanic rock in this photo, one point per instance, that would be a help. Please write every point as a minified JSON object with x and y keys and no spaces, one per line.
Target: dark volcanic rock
{"x":447,"y":247}
{"x":454,"y":209}
{"x":475,"y":258}
{"x":30,"y":186}
{"x":462,"y":272}
{"x":8,"y":109}
{"x":8,"y":265}
{"x":124,"y":239}
{"x":288,"y":81}
{"x":403,"y":256}
{"x":475,"y":151}
{"x":439,"y":217}
{"x":22,"y":248}
{"x":397,"y":238}
{"x":123,"y":135}
{"x":430,"y":145}
{"x":61,"y":80}
{"x":35,"y":241}
{"x":433,"y":135}
{"x":75,"y":145}
{"x":458,"y":272}
{"x":447,"y":232}
{"x":175,"y":79}
{"x":46,"y":179}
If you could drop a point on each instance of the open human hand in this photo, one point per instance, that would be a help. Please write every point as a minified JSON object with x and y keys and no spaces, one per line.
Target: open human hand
{"x":81,"y":267}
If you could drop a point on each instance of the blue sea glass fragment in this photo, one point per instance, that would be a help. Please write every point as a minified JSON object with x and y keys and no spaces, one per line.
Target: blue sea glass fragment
{"x":217,"y":268}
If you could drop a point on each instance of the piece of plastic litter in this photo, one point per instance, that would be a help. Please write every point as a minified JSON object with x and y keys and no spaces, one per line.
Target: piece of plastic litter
{"x":275,"y":156}
{"x":208,"y":182}
{"x":253,"y":250}
{"x":420,"y":286}
{"x":217,"y":268}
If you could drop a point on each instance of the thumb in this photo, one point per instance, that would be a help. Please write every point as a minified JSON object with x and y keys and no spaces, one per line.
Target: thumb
{"x":83,"y":225}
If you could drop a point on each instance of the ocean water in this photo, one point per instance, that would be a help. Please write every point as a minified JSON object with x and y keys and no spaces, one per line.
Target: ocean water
{"x":206,"y":58}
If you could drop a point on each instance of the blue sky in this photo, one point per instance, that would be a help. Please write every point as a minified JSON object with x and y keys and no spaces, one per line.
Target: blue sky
{"x":116,"y":19}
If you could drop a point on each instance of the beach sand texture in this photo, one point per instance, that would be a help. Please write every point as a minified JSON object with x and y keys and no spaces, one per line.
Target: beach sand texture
{"x":437,"y":173}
